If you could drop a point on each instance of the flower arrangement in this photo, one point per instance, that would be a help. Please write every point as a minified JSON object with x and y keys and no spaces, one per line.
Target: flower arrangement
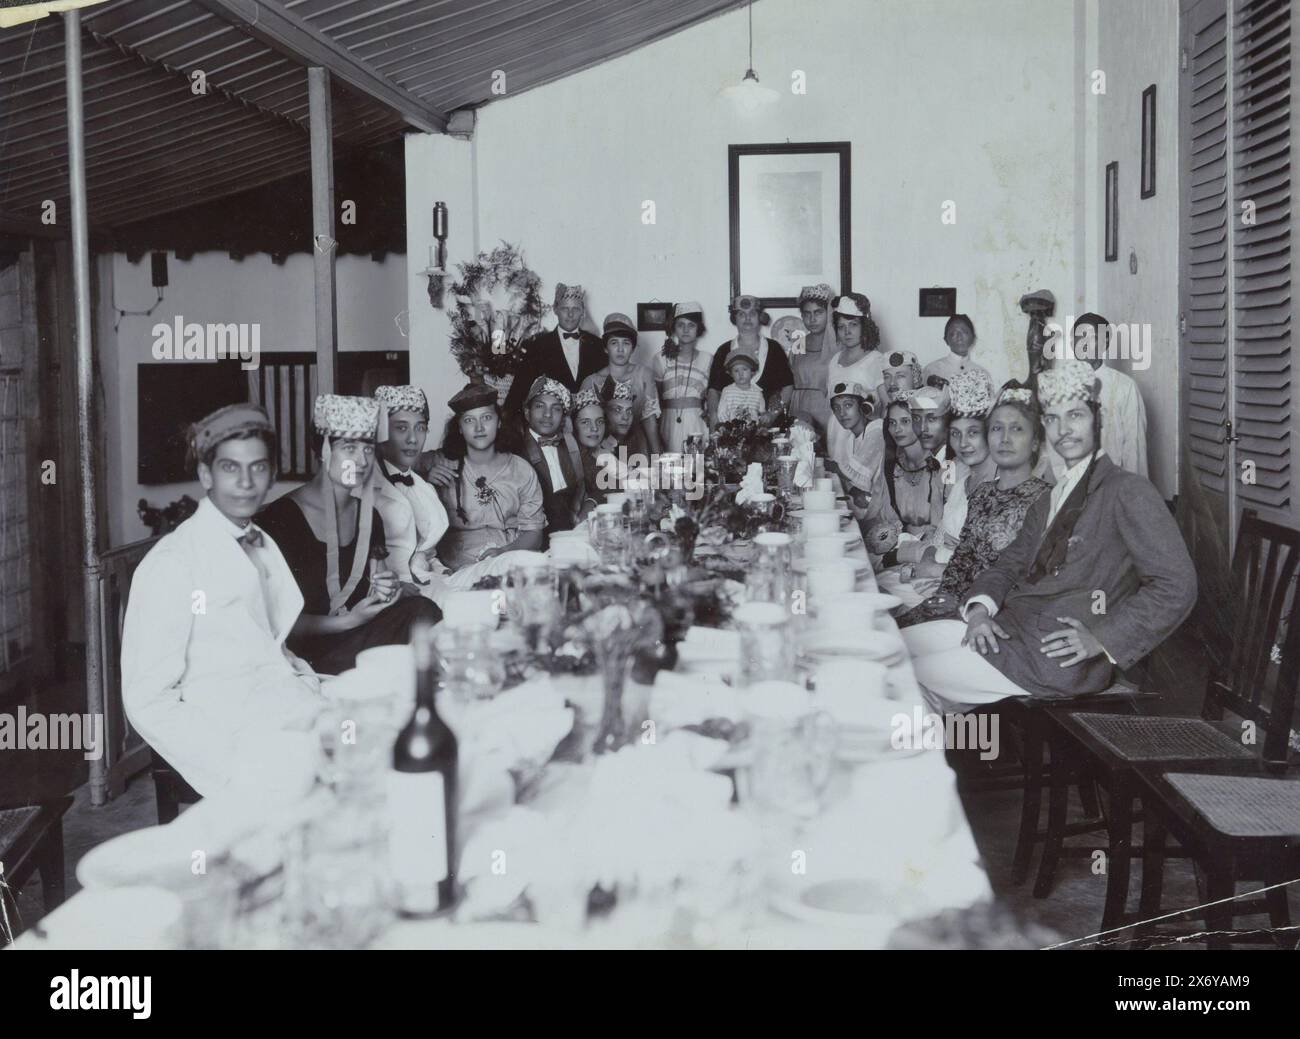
{"x":498,"y":306}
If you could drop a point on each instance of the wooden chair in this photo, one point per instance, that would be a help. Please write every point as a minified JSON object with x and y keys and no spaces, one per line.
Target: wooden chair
{"x":170,"y":790}
{"x":1129,"y":755}
{"x":31,"y":841}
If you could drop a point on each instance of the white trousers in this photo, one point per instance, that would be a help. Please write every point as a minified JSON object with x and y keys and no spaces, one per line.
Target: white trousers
{"x":953,"y":677}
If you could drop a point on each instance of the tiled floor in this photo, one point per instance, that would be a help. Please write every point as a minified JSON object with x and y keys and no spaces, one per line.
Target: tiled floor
{"x":1073,"y":910}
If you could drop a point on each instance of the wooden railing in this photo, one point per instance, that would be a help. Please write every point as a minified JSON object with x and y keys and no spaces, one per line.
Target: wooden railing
{"x":125,"y":752}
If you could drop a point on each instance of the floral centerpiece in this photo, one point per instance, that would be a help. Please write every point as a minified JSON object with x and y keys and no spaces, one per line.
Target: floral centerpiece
{"x":498,"y":306}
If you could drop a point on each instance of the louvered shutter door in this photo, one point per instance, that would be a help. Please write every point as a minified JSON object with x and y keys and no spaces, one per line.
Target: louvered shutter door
{"x":1261,"y":154}
{"x":1206,"y":222}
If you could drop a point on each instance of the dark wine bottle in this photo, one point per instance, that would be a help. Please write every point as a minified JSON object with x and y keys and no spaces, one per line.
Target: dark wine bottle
{"x":422,"y":797}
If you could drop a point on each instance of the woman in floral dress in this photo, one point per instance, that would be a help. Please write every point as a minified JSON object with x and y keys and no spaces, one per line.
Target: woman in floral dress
{"x":495,"y":502}
{"x":681,"y":369}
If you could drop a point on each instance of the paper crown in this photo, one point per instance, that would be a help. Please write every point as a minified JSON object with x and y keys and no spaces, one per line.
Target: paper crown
{"x":1067,"y":380}
{"x":971,"y":393}
{"x":690,"y":308}
{"x":354,"y":418}
{"x":227,"y":422}
{"x":569,"y":294}
{"x":924,"y":397}
{"x":820,"y":293}
{"x":614,"y":390}
{"x":403,"y":398}
{"x":542,"y":385}
{"x":585,"y":399}
{"x":1015,"y":392}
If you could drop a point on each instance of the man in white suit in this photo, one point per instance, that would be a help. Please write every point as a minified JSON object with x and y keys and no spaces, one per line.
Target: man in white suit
{"x":206,"y":678}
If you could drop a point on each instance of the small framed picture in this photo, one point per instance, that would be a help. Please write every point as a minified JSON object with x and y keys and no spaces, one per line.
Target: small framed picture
{"x":936,"y":302}
{"x":653,"y":317}
{"x":1112,"y":212}
{"x":1149,"y":141}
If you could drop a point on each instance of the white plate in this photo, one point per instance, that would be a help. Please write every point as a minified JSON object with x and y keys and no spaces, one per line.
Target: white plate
{"x":862,"y":568}
{"x":160,"y":855}
{"x":841,"y":903}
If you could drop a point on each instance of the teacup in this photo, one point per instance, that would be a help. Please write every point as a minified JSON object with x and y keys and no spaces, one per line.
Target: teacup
{"x":855,"y":610}
{"x":614,"y":498}
{"x":819,"y":501}
{"x":831,"y":578}
{"x":823,"y":548}
{"x":469,"y":609}
{"x":824,"y":483}
{"x":820,"y":523}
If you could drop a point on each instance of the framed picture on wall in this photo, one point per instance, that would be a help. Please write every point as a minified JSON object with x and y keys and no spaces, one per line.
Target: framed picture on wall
{"x":1149,"y":141}
{"x":790,"y":217}
{"x":1112,"y":211}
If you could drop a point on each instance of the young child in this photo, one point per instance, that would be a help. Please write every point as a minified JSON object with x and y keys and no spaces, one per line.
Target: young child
{"x":741,"y":399}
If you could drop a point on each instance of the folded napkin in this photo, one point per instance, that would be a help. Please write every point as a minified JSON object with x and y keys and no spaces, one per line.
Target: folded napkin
{"x":751,"y":485}
{"x":802,"y":443}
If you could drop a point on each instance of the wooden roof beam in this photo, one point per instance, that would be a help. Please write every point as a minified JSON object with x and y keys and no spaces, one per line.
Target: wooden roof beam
{"x":292,"y":36}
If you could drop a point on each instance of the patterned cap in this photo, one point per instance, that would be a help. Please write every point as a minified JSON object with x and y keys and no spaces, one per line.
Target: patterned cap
{"x":1016,"y":391}
{"x":354,"y":418}
{"x":619,"y":325}
{"x":852,"y":304}
{"x":850,"y":389}
{"x":821,"y":293}
{"x":472,"y":395}
{"x":585,"y":399}
{"x":901,"y":359}
{"x":690,"y":308}
{"x":615,"y":390}
{"x":1067,"y":380}
{"x":403,"y":398}
{"x":542,"y":385}
{"x":744,"y":302}
{"x":927,"y":397}
{"x":224,"y":423}
{"x":569,"y":294}
{"x":972,"y":394}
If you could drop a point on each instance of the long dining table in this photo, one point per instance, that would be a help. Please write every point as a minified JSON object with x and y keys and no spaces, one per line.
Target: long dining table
{"x":665,"y":823}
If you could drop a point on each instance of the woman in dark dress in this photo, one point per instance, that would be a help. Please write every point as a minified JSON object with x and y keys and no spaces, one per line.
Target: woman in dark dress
{"x":319,"y":527}
{"x":775,"y":377}
{"x":996,"y":509}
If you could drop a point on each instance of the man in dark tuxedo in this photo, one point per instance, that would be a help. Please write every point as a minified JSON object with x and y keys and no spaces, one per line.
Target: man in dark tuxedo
{"x":566,"y":354}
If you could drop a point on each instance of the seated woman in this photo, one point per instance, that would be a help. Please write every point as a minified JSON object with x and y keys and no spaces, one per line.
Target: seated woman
{"x":414,"y":519}
{"x":494,"y":502}
{"x":907,"y":497}
{"x":620,"y":342}
{"x":589,"y":431}
{"x":329,"y":531}
{"x":623,"y":434}
{"x":1096,"y":579}
{"x":996,"y":509}
{"x":973,"y":462}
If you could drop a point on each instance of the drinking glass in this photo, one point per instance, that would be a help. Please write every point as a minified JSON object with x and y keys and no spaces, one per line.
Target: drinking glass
{"x":793,"y":751}
{"x":785,"y":467}
{"x":767,"y":644}
{"x":335,"y":879}
{"x":532,"y":600}
{"x":609,"y":534}
{"x":769,"y":579}
{"x":471,"y":669}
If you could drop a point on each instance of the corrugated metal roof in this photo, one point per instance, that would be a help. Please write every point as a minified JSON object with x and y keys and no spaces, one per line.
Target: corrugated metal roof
{"x":154,"y":146}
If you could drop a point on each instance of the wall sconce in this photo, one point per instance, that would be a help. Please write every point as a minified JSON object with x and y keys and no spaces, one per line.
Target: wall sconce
{"x":436,"y":272}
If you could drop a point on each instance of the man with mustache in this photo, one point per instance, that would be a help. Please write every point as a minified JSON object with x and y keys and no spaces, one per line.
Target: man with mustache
{"x":1097,"y":578}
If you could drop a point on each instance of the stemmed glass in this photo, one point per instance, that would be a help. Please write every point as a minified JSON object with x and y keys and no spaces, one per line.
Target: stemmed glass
{"x":532,"y":600}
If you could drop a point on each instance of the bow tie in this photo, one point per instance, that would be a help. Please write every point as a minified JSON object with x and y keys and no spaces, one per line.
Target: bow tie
{"x":405,"y":480}
{"x":251,"y":537}
{"x":549,"y":441}
{"x":571,"y":335}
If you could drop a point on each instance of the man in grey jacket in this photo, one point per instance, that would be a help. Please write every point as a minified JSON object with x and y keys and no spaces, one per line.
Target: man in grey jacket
{"x":1097,"y":578}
